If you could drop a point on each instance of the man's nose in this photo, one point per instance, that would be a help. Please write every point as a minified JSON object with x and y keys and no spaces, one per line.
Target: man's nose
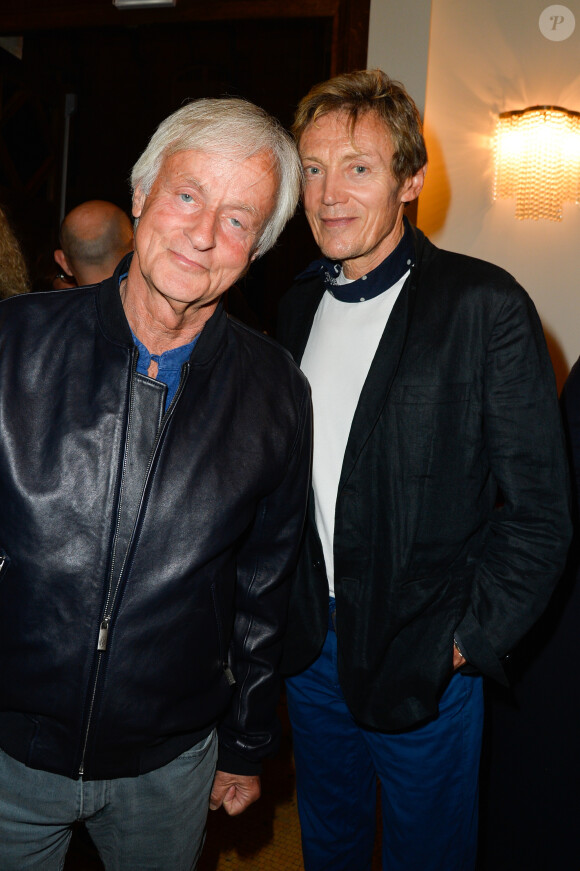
{"x":333,"y":191}
{"x":202,"y":230}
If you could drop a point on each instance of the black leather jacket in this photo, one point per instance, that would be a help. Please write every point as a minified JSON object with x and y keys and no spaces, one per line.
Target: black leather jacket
{"x":143,"y":554}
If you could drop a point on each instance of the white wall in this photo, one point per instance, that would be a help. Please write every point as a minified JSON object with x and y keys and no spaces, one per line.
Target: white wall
{"x":399,"y":42}
{"x":485,"y":58}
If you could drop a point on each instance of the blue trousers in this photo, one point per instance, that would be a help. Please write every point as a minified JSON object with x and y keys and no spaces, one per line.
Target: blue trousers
{"x":154,"y":822}
{"x":428,"y":778}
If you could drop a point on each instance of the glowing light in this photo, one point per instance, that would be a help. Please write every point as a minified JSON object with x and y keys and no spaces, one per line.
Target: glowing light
{"x":537,"y":161}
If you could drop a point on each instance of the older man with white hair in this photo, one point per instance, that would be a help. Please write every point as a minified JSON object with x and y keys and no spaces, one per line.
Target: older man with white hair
{"x":154,"y":459}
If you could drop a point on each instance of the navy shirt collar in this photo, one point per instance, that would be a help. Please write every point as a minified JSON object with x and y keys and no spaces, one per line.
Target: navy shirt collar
{"x":373,"y":283}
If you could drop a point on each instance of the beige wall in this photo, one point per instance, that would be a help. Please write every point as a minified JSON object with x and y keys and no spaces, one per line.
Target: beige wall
{"x":485,"y":58}
{"x":399,"y":42}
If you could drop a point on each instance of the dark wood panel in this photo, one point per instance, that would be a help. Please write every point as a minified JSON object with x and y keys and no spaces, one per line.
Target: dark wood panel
{"x":350,"y":36}
{"x":350,"y":18}
{"x":20,"y":15}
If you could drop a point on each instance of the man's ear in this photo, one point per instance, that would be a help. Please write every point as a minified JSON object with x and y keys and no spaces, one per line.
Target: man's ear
{"x":413,"y":186}
{"x":60,"y":258}
{"x":138,"y":201}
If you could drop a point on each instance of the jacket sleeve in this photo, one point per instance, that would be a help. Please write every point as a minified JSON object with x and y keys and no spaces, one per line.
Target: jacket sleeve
{"x":250,"y":729}
{"x":571,"y":412}
{"x":530,"y":529}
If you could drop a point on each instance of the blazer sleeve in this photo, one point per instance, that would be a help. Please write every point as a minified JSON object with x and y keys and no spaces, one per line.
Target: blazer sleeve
{"x":530,"y":529}
{"x":570,"y":401}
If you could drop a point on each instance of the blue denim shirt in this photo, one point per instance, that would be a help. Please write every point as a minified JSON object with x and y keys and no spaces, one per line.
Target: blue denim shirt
{"x":169,"y":363}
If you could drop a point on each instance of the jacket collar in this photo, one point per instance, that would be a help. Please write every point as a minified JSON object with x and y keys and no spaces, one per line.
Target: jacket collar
{"x":385,"y":364}
{"x":373,"y":283}
{"x":110,"y":308}
{"x":310,"y":288}
{"x":379,"y":380}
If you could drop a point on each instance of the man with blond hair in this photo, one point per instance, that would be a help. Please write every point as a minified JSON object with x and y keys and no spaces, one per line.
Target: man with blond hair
{"x":438,"y":523}
{"x":154,"y":463}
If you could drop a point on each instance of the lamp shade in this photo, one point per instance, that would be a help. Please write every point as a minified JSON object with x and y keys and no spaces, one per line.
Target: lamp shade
{"x":537,"y":160}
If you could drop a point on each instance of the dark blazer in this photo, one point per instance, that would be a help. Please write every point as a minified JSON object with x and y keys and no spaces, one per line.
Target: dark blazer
{"x":452,"y":512}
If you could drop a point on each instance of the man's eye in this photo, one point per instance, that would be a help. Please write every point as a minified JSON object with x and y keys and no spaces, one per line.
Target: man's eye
{"x":187,"y":198}
{"x":360,"y":170}
{"x":311,"y":170}
{"x":235,"y":223}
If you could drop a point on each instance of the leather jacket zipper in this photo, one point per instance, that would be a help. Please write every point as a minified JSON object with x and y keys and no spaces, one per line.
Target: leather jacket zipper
{"x":111,"y":599}
{"x":103,"y":634}
{"x":4,"y":560}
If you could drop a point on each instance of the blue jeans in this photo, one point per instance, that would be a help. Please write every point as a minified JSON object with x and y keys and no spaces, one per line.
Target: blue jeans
{"x":154,"y":822}
{"x":428,"y":778}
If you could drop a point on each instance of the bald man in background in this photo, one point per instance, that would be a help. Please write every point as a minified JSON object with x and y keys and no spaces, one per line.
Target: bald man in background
{"x":94,"y":237}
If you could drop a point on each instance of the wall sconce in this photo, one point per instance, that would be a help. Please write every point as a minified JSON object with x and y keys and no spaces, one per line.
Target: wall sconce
{"x":537,"y":160}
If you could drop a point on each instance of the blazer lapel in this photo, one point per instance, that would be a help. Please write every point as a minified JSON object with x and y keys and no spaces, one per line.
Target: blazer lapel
{"x":379,"y":380}
{"x":304,"y":308}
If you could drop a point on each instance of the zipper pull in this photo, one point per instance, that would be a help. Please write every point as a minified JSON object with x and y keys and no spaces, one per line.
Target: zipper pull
{"x":229,"y":675}
{"x":103,"y":634}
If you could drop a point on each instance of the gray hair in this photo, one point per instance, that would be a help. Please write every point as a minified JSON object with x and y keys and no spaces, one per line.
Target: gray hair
{"x":232,"y":127}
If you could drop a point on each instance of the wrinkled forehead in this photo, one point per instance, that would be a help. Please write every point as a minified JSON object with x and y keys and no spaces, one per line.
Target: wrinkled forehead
{"x":236,"y":152}
{"x":221,"y":178}
{"x":348,"y":126}
{"x":226,"y":167}
{"x":354,"y":130}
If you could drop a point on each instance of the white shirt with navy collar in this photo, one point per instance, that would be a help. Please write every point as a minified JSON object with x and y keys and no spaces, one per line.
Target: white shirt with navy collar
{"x":342,"y":344}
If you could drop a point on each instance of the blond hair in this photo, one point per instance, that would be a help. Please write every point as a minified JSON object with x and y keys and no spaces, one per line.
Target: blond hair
{"x":370,"y":91}
{"x":13,"y":272}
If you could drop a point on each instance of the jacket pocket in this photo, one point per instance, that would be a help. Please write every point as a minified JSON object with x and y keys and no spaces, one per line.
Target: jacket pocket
{"x":228,"y":673}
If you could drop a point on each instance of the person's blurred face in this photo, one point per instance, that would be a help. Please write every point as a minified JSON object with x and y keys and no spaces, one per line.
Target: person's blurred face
{"x":201,"y":222}
{"x":352,"y":201}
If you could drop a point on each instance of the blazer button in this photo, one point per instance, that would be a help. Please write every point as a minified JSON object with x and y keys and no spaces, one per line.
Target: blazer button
{"x":317,"y":564}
